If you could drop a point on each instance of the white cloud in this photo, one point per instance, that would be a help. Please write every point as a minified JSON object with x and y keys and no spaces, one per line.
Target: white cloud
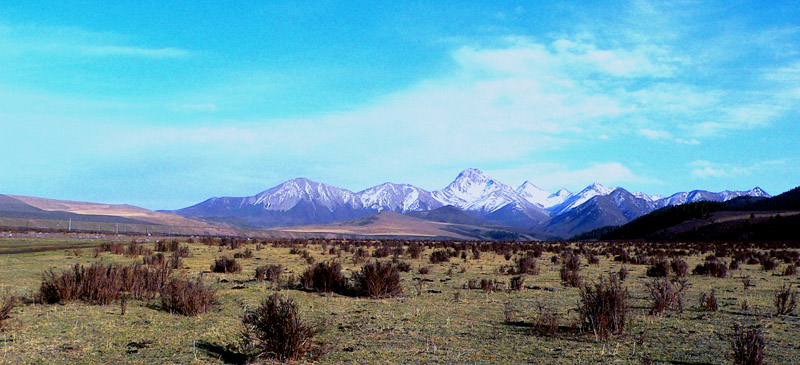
{"x":655,"y":134}
{"x":706,"y":169}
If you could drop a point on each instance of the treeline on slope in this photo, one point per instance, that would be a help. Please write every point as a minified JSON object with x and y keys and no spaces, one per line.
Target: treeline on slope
{"x":656,"y":224}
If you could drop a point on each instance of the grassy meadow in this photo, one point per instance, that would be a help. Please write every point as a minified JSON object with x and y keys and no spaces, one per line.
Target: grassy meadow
{"x":442,"y":316}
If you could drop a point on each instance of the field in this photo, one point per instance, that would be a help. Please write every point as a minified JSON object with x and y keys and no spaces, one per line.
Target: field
{"x":443,"y":315}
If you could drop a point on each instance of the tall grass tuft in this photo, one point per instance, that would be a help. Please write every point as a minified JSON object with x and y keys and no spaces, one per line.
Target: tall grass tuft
{"x":747,"y":345}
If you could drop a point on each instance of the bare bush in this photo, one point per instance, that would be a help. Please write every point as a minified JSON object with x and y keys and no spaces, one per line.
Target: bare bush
{"x":324,"y":277}
{"x":747,"y":345}
{"x":378,"y":280}
{"x":570,"y":272}
{"x":187,"y":297}
{"x":784,"y":300}
{"x":666,"y":294}
{"x":275,"y":330}
{"x":226,"y":264}
{"x":5,"y":311}
{"x":603,"y":308}
{"x":708,"y":301}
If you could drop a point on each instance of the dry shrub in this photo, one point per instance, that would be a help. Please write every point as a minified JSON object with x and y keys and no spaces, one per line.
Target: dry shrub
{"x":679,"y":268}
{"x":516,"y":283}
{"x":226,"y":264}
{"x":708,"y":301}
{"x":784,"y":300}
{"x":324,"y":277}
{"x":768,"y":264}
{"x":439,"y":256}
{"x":5,"y":311}
{"x":275,"y":330}
{"x":137,"y":249}
{"x":603,"y":308}
{"x":527,"y":265}
{"x":269,"y":272}
{"x":659,"y":270}
{"x":187,"y":297}
{"x":711,"y":268}
{"x":487,"y":285}
{"x":378,"y":280}
{"x":666,"y":294}
{"x":570,"y":272}
{"x":414,"y":250}
{"x":403,"y":266}
{"x":747,"y":345}
{"x":623,"y":273}
{"x":546,"y":320}
{"x":790,"y":270}
{"x":246,"y":254}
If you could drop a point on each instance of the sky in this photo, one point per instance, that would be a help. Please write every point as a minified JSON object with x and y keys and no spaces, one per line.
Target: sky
{"x":163,"y":104}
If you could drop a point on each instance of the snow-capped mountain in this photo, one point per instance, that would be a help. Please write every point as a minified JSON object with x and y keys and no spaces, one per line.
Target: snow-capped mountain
{"x":287,"y":195}
{"x":398,"y":198}
{"x":478,"y":193}
{"x":702,"y":195}
{"x":541,"y":197}
{"x":474,"y":190}
{"x":575,"y":200}
{"x":302,"y":201}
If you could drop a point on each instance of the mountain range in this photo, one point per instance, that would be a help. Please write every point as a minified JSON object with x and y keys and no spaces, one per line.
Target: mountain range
{"x":526,"y":208}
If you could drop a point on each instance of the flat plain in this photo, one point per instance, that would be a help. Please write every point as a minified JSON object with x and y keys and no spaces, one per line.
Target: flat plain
{"x":444,"y":314}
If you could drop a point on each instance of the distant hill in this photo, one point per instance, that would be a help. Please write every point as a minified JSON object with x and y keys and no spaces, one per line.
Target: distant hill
{"x":395,"y":225}
{"x":448,"y":214}
{"x":742,"y":218}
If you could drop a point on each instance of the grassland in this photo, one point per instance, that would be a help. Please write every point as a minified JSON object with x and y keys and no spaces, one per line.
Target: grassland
{"x":437,"y":320}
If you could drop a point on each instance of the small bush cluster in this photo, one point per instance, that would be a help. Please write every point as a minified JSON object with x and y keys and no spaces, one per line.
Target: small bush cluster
{"x":527,"y":265}
{"x":659,"y":270}
{"x":269,"y":273}
{"x":439,"y":256}
{"x":226,"y":264}
{"x":187,"y":297}
{"x":546,"y":320}
{"x":275,"y":330}
{"x":603,"y":308}
{"x":711,"y":268}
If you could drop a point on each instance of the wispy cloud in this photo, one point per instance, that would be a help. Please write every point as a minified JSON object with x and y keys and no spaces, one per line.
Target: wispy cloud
{"x":76,"y":42}
{"x":706,"y":169}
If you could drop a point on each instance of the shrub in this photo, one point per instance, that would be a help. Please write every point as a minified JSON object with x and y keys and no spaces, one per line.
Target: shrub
{"x":414,"y":250}
{"x":790,"y":270}
{"x":711,"y":268}
{"x":666,"y":294}
{"x":679,"y":268}
{"x":659,"y":270}
{"x":324,"y":277}
{"x":623,"y":273}
{"x":487,"y":285}
{"x":546,"y":321}
{"x":275,"y":330}
{"x":378,"y":280}
{"x":5,"y":311}
{"x":708,"y":302}
{"x":527,"y":265}
{"x":747,"y":345}
{"x":570,"y":269}
{"x":784,"y":300}
{"x":403,"y":266}
{"x":440,"y":256}
{"x":768,"y":264}
{"x":226,"y":264}
{"x":246,"y":254}
{"x":187,"y":297}
{"x":269,"y":273}
{"x":516,"y":283}
{"x":603,"y":308}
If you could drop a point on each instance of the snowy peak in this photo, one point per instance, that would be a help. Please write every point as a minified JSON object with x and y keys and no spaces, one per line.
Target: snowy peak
{"x":397,"y":198}
{"x":473,"y":189}
{"x":534,"y":194}
{"x":575,"y":200}
{"x":702,"y":195}
{"x":286,"y":195}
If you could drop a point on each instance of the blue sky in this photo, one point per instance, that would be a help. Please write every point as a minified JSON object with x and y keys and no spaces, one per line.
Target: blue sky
{"x":164,"y":104}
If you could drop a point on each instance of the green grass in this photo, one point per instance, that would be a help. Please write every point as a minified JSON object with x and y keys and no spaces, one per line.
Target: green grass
{"x":430,"y":327}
